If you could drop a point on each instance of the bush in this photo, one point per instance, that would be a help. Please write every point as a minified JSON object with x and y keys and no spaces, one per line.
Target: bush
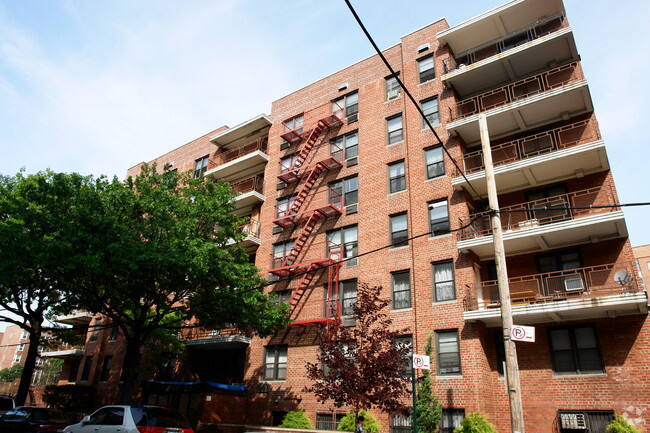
{"x":70,"y":397}
{"x":296,"y":419}
{"x":348,"y":422}
{"x":476,"y":422}
{"x":621,"y":425}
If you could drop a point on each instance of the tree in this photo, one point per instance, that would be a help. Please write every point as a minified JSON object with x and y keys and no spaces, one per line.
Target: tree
{"x":429,"y":409}
{"x":296,"y":419}
{"x":349,"y":422}
{"x":163,"y":256}
{"x":363,"y":365}
{"x":39,"y":251}
{"x":476,"y":422}
{"x":12,"y":373}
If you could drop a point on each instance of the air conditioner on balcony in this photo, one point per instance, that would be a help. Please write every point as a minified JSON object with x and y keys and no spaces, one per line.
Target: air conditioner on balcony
{"x":573,"y":283}
{"x":574,"y":421}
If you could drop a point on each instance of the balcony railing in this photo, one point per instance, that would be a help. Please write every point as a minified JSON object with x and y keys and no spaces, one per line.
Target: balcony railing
{"x":563,"y":137}
{"x":543,"y":211}
{"x":515,"y":91}
{"x":589,"y":282}
{"x":201,"y":333}
{"x":251,"y":228}
{"x":329,"y":251}
{"x":233,"y":154}
{"x":255,"y":183}
{"x":511,"y":40}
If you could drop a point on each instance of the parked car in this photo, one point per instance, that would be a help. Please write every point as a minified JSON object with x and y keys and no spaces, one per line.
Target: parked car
{"x":28,"y":419}
{"x":6,"y":403}
{"x":132,"y":419}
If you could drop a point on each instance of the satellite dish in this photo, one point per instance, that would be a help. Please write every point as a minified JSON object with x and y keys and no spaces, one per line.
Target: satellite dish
{"x":622,"y":277}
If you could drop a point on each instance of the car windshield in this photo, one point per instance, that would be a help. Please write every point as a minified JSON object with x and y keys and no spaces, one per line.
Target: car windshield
{"x":158,"y":417}
{"x":6,"y":403}
{"x":48,"y":415}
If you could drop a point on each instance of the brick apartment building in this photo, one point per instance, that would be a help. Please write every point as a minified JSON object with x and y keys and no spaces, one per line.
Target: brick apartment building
{"x":345,"y":165}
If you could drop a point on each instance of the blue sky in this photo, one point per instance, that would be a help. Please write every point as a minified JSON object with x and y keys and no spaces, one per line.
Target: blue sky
{"x":98,"y":86}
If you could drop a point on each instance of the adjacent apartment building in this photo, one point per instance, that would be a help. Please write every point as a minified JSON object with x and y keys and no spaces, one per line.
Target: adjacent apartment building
{"x":346,"y":165}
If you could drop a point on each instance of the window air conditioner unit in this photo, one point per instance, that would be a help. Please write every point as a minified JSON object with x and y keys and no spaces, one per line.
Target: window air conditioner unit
{"x":351,"y":208}
{"x":573,"y":283}
{"x":352,"y":161}
{"x":353,"y":117}
{"x":349,"y":321}
{"x":393,"y":94}
{"x":574,"y":421}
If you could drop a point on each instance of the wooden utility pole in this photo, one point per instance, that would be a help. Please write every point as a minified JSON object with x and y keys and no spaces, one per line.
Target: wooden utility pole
{"x":512,"y":367}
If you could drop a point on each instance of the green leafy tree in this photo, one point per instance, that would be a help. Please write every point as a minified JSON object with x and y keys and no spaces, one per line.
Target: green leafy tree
{"x":621,"y":425}
{"x":429,"y":409}
{"x":40,"y":252}
{"x":476,"y":422}
{"x":12,"y":373}
{"x":163,"y":256}
{"x":296,"y":419}
{"x":363,"y":365}
{"x":349,"y":422}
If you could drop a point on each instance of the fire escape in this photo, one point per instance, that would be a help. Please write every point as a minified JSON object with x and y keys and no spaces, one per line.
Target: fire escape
{"x":306,"y":210}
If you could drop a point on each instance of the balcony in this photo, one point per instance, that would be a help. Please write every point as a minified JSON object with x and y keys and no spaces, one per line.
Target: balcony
{"x":575,"y":149}
{"x":508,"y":58}
{"x":73,"y":353}
{"x":551,"y":96}
{"x":239,"y":163}
{"x":251,"y":231}
{"x":241,"y":134}
{"x":76,"y":318}
{"x":607,"y":290}
{"x":249,"y":194}
{"x":229,"y":337}
{"x":554,"y":222}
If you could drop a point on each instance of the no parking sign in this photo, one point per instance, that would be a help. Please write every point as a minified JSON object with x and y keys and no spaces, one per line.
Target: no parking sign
{"x":523,"y":333}
{"x":422,"y":362}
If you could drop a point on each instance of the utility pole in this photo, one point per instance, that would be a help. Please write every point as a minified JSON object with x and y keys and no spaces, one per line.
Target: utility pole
{"x":512,"y":367}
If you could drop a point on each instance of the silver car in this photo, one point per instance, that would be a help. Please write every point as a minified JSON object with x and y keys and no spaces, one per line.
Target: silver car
{"x":132,"y":419}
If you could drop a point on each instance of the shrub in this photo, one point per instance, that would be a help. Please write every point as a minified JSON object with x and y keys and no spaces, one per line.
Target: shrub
{"x":348,"y":422}
{"x":296,"y":419}
{"x":70,"y":397}
{"x":476,"y":422}
{"x":621,"y":425}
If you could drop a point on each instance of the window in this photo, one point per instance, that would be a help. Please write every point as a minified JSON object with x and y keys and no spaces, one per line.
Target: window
{"x":85,"y":372}
{"x":443,"y":281}
{"x":282,"y":296}
{"x":287,"y":163}
{"x":399,"y":230}
{"x":401,"y":288}
{"x":74,"y":369}
{"x":328,"y":421}
{"x":16,"y":359}
{"x":564,"y":269}
{"x":431,"y":112}
{"x":575,"y":349}
{"x":280,"y":252}
{"x":94,"y":331}
{"x":348,"y":297}
{"x":400,"y":423}
{"x":23,"y":335}
{"x":397,"y":176}
{"x":426,"y":69}
{"x":106,"y":368}
{"x":275,"y":363}
{"x":115,"y":331}
{"x":348,"y":190}
{"x":451,"y":419}
{"x":571,"y":421}
{"x":293,"y":128}
{"x":435,"y":164}
{"x":20,"y":347}
{"x":343,"y":244}
{"x":200,"y":165}
{"x":349,"y":145}
{"x":406,"y":340}
{"x":393,"y":89}
{"x":395,"y":131}
{"x":438,"y":217}
{"x":500,"y":350}
{"x":284,"y":206}
{"x":448,"y":352}
{"x":348,"y":104}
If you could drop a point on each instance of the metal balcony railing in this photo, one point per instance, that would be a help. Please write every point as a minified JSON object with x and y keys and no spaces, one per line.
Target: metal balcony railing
{"x":328,"y":251}
{"x":587,"y":282}
{"x":233,"y":154}
{"x":574,"y":134}
{"x":201,"y":333}
{"x":254,"y":183}
{"x":543,"y":82}
{"x":327,"y":197}
{"x":544,"y":211}
{"x":251,"y":228}
{"x":509,"y":41}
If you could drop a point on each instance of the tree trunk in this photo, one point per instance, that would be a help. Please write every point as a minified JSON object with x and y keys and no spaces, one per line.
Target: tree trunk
{"x":29,"y":366}
{"x":130,"y":371}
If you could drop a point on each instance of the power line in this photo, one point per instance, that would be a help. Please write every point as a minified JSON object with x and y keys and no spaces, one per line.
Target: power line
{"x":408,"y":93}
